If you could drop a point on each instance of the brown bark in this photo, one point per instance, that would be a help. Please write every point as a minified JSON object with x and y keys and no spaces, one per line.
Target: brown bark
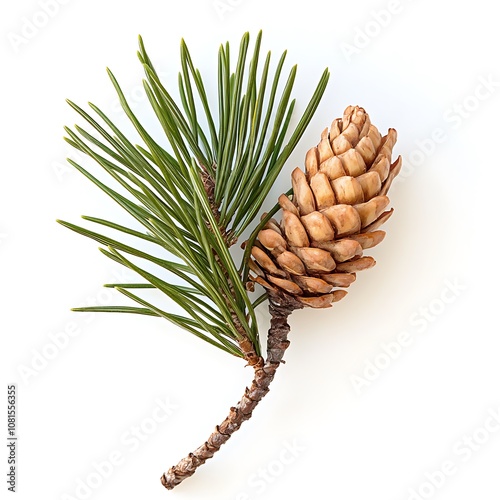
{"x":209,"y":186}
{"x":280,"y":308}
{"x":246,"y":346}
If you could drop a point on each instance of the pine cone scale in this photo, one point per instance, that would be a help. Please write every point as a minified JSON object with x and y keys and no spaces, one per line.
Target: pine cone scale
{"x":339,"y":202}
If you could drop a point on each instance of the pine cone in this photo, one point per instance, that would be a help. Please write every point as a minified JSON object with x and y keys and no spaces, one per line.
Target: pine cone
{"x":337,"y":207}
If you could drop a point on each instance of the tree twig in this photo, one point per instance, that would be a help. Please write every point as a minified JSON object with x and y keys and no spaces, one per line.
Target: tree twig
{"x":280,"y":308}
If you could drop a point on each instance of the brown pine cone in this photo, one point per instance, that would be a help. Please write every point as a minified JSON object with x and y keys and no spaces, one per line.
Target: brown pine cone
{"x":337,"y":207}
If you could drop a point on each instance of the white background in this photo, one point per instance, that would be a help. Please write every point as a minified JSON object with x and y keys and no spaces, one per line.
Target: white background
{"x":381,"y":441}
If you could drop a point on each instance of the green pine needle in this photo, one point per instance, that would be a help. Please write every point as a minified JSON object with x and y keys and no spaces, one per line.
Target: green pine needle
{"x":194,"y":198}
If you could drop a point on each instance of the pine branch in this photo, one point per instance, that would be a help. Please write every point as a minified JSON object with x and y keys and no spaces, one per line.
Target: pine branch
{"x":190,"y":196}
{"x":192,"y":193}
{"x":280,"y":308}
{"x":196,"y":197}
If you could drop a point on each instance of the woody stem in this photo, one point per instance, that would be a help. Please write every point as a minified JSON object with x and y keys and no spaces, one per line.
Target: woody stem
{"x":277,"y":342}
